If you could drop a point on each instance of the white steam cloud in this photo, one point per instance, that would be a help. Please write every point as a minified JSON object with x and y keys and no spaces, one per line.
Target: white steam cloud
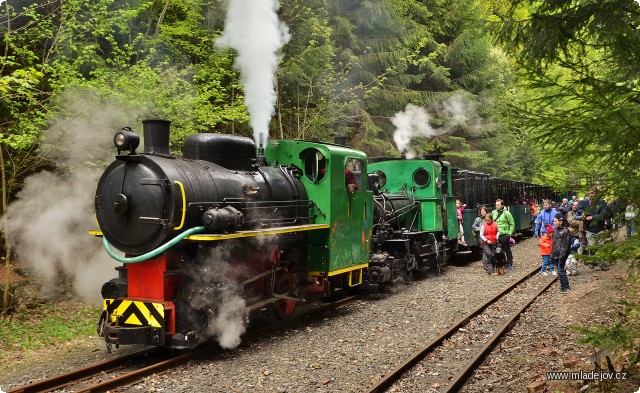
{"x":229,"y":323}
{"x":252,"y":28}
{"x":50,"y":218}
{"x":216,"y":292}
{"x":416,"y":121}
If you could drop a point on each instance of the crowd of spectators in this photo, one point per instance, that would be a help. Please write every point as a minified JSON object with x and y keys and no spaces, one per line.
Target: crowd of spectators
{"x":564,"y":229}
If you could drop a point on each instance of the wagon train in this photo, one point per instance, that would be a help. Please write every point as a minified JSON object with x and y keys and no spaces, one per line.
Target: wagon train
{"x":275,"y":226}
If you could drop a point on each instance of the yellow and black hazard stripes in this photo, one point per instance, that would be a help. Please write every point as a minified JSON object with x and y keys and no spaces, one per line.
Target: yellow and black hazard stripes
{"x":135,"y":313}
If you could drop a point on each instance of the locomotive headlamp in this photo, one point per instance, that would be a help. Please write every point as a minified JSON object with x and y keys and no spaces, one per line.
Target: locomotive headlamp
{"x":125,"y":139}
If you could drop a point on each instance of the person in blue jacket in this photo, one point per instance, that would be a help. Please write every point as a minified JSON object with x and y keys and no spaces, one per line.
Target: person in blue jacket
{"x":546,"y":216}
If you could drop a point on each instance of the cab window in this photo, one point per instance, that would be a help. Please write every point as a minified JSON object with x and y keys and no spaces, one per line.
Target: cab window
{"x":315,"y":165}
{"x":353,"y":174}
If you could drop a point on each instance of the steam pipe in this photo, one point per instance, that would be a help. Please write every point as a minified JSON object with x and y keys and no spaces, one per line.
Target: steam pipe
{"x":152,"y":253}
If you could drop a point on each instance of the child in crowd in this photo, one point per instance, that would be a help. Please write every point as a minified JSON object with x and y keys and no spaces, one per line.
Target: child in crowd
{"x":560,"y":249}
{"x":489,"y":236}
{"x":545,"y":251}
{"x":572,"y":263}
{"x":479,"y":222}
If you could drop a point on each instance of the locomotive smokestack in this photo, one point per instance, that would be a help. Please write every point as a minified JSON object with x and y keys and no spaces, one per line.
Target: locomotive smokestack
{"x":340,"y":140}
{"x":156,"y":136}
{"x":261,"y":160}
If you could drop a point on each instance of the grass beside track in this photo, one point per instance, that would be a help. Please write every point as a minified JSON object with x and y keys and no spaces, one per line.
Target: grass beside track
{"x":46,"y":325}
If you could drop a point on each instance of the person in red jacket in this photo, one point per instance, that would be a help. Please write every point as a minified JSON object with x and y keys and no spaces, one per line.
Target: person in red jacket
{"x":489,"y":236}
{"x":545,"y":250}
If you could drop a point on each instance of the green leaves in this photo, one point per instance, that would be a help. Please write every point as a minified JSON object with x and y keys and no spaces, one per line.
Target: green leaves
{"x":580,"y":65}
{"x":579,"y":107}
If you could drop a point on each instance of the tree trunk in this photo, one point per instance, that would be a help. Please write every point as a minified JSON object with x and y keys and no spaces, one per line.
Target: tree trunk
{"x":7,"y":239}
{"x":161,"y":17}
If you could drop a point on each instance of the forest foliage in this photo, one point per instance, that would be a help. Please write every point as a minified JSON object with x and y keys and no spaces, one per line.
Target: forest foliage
{"x":349,"y":66}
{"x":525,"y":85}
{"x":547,"y":91}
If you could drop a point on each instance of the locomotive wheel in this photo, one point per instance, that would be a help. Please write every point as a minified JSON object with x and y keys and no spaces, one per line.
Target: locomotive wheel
{"x":287,"y":285}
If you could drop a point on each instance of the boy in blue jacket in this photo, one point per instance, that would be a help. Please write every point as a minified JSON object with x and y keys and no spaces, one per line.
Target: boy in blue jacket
{"x":546,"y":216}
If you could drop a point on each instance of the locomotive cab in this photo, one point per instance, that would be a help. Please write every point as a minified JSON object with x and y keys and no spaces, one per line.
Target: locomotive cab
{"x":337,"y":256}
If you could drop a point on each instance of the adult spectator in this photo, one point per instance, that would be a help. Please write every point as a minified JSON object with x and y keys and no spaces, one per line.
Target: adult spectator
{"x":546,"y":216}
{"x":489,"y":233}
{"x":583,"y":204}
{"x":586,"y":201}
{"x":565,"y":205}
{"x":506,"y":226}
{"x":594,"y":222}
{"x":614,"y":209}
{"x":630,"y":214}
{"x":534,"y":210}
{"x":574,"y":224}
{"x":479,"y":221}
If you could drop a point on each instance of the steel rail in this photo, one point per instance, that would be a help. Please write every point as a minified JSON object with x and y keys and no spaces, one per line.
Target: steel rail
{"x":395,"y":374}
{"x":137,"y":375}
{"x":164,"y":366}
{"x":468,"y":369}
{"x":62,"y":380}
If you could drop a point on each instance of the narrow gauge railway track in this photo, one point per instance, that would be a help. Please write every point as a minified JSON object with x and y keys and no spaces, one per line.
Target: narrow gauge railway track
{"x":451,"y":384}
{"x":82,"y":374}
{"x":131,"y":369}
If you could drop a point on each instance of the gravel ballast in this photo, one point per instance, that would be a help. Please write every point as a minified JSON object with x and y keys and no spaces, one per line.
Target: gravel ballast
{"x":358,"y":343}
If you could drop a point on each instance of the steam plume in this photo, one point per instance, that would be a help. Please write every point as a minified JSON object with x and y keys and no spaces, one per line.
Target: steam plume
{"x":415,"y":121}
{"x":252,"y":28}
{"x":52,"y":213}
